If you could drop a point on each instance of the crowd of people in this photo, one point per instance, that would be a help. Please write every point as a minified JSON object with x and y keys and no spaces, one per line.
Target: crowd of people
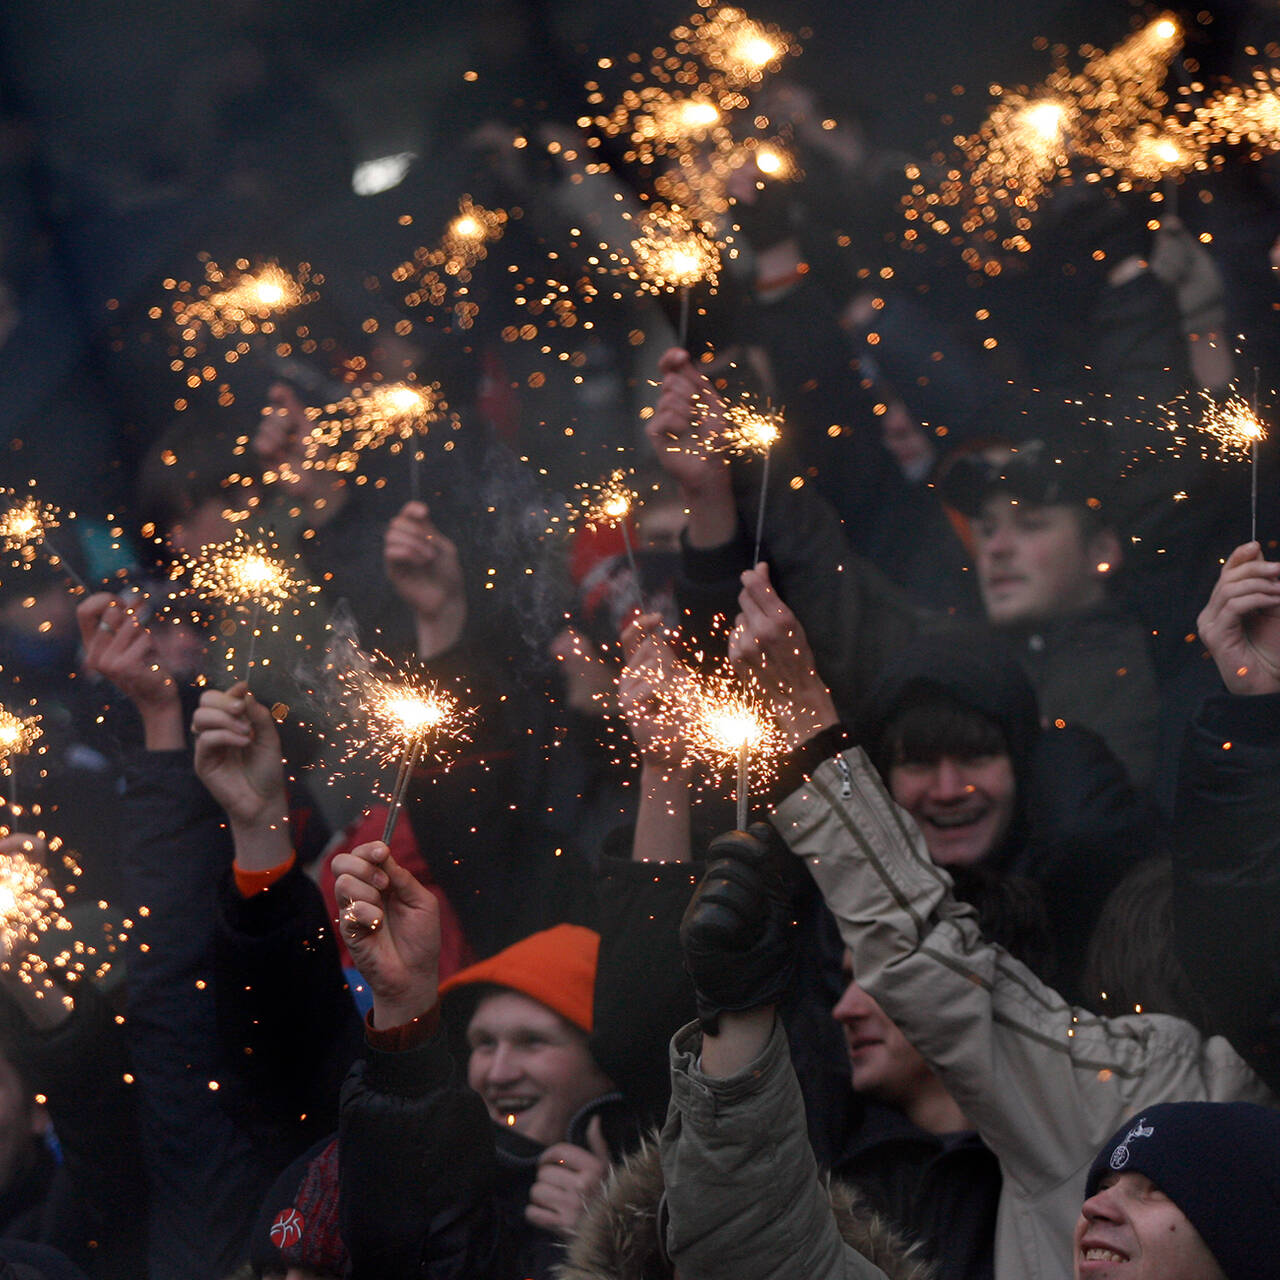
{"x":986,"y":986}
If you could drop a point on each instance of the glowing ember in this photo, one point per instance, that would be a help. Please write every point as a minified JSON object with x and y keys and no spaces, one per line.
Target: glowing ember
{"x":608,"y":502}
{"x":748,"y":430}
{"x":243,"y":572}
{"x":396,"y":709}
{"x":736,"y":47}
{"x":1228,"y":429}
{"x":245,"y":302}
{"x":464,"y":240}
{"x":25,"y":522}
{"x":18,"y":734}
{"x":29,"y":906}
{"x":672,"y":254}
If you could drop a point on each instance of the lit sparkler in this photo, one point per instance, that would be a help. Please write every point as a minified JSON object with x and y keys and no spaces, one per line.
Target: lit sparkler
{"x":465,"y":238}
{"x":672,"y":253}
{"x":403,"y":717}
{"x":29,"y":905}
{"x":18,"y":734}
{"x":244,"y":573}
{"x":735,"y":46}
{"x":385,"y":412}
{"x":25,"y":525}
{"x":730,"y":725}
{"x":752,"y":432}
{"x":610,"y":503}
{"x":245,"y":301}
{"x":1229,"y":429}
{"x":1107,"y":119}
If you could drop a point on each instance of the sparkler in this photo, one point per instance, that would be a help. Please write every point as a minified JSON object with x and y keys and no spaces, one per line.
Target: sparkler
{"x":18,"y":734}
{"x":25,"y":525}
{"x":730,"y":725}
{"x":371,"y":416}
{"x":673,"y":253}
{"x":1107,"y":119}
{"x":1231,"y":430}
{"x":749,"y":431}
{"x":610,"y":504}
{"x":735,"y":46}
{"x":244,"y":572}
{"x":404,"y":716}
{"x":464,"y":240}
{"x":246,"y":301}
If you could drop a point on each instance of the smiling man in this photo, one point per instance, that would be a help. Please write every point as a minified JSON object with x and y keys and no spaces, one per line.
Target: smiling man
{"x":1045,"y":547}
{"x":1186,"y":1191}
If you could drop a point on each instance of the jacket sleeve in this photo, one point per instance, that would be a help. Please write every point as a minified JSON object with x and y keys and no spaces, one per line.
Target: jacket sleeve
{"x":285,"y":1016}
{"x":200,"y":1164}
{"x":1044,"y":1083}
{"x":82,"y":1069}
{"x":642,"y":992}
{"x":743,"y":1196}
{"x":1226,"y":888}
{"x":416,"y":1169}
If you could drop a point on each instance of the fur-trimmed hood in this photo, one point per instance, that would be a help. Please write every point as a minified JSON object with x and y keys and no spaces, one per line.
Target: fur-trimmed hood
{"x":618,"y":1237}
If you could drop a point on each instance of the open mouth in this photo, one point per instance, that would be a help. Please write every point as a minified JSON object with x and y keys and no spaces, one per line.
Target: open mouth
{"x":953,"y":821}
{"x":1100,"y":1253}
{"x":511,"y":1107}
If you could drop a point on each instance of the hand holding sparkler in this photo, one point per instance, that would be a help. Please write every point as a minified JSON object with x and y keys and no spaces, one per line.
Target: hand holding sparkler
{"x":684,"y":431}
{"x":769,"y":643}
{"x":119,"y":647}
{"x":238,"y":758}
{"x":391,"y":925}
{"x":423,"y":567}
{"x":1240,"y":626}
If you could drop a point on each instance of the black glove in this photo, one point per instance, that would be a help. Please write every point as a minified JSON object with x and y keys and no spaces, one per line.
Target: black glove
{"x":739,"y":931}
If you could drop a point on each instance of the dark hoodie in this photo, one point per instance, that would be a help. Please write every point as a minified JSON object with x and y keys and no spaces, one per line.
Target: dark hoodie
{"x":1078,"y":824}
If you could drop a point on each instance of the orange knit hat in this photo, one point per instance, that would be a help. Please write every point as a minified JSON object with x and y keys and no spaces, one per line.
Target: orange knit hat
{"x":556,"y":967}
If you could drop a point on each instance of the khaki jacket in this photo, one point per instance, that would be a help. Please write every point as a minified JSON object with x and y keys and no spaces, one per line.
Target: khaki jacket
{"x":1044,"y":1084}
{"x":743,"y":1196}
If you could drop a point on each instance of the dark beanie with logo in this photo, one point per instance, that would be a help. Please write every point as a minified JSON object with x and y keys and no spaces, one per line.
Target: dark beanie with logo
{"x":1219,"y":1162}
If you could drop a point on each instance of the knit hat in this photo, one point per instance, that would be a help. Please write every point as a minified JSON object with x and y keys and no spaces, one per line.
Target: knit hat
{"x":556,"y":967}
{"x":1219,"y":1162}
{"x":297,"y":1225}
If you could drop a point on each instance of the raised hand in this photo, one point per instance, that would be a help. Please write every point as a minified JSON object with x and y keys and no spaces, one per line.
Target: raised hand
{"x":117,"y":646}
{"x":1240,"y":626}
{"x":568,"y":1177}
{"x":423,"y":567}
{"x":650,"y":690}
{"x":238,"y":758}
{"x":769,"y":644}
{"x":391,"y":925}
{"x":683,"y":431}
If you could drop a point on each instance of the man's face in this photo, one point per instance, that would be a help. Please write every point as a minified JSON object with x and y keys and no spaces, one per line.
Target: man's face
{"x":882,"y":1064}
{"x":1130,"y":1230}
{"x":1036,"y":562}
{"x":962,"y":805}
{"x":532,"y":1068}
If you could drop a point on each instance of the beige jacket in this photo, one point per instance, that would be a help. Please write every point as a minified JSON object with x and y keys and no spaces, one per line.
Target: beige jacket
{"x":1043,"y":1083}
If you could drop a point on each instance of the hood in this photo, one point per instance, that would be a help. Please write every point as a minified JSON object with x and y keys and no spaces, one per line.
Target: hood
{"x":618,"y":1237}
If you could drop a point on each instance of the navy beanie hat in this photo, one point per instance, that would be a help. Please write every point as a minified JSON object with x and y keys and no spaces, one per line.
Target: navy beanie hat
{"x":1219,"y":1162}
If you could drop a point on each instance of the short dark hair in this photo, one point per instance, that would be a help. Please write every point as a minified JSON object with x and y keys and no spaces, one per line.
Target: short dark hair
{"x":1131,"y":957}
{"x":928,"y":723}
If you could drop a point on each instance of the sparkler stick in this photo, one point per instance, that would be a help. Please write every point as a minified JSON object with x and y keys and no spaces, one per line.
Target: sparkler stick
{"x":742,"y":789}
{"x":749,"y":431}
{"x":1232,"y":426}
{"x":242,"y":572}
{"x":405,"y":773}
{"x":612,"y":504}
